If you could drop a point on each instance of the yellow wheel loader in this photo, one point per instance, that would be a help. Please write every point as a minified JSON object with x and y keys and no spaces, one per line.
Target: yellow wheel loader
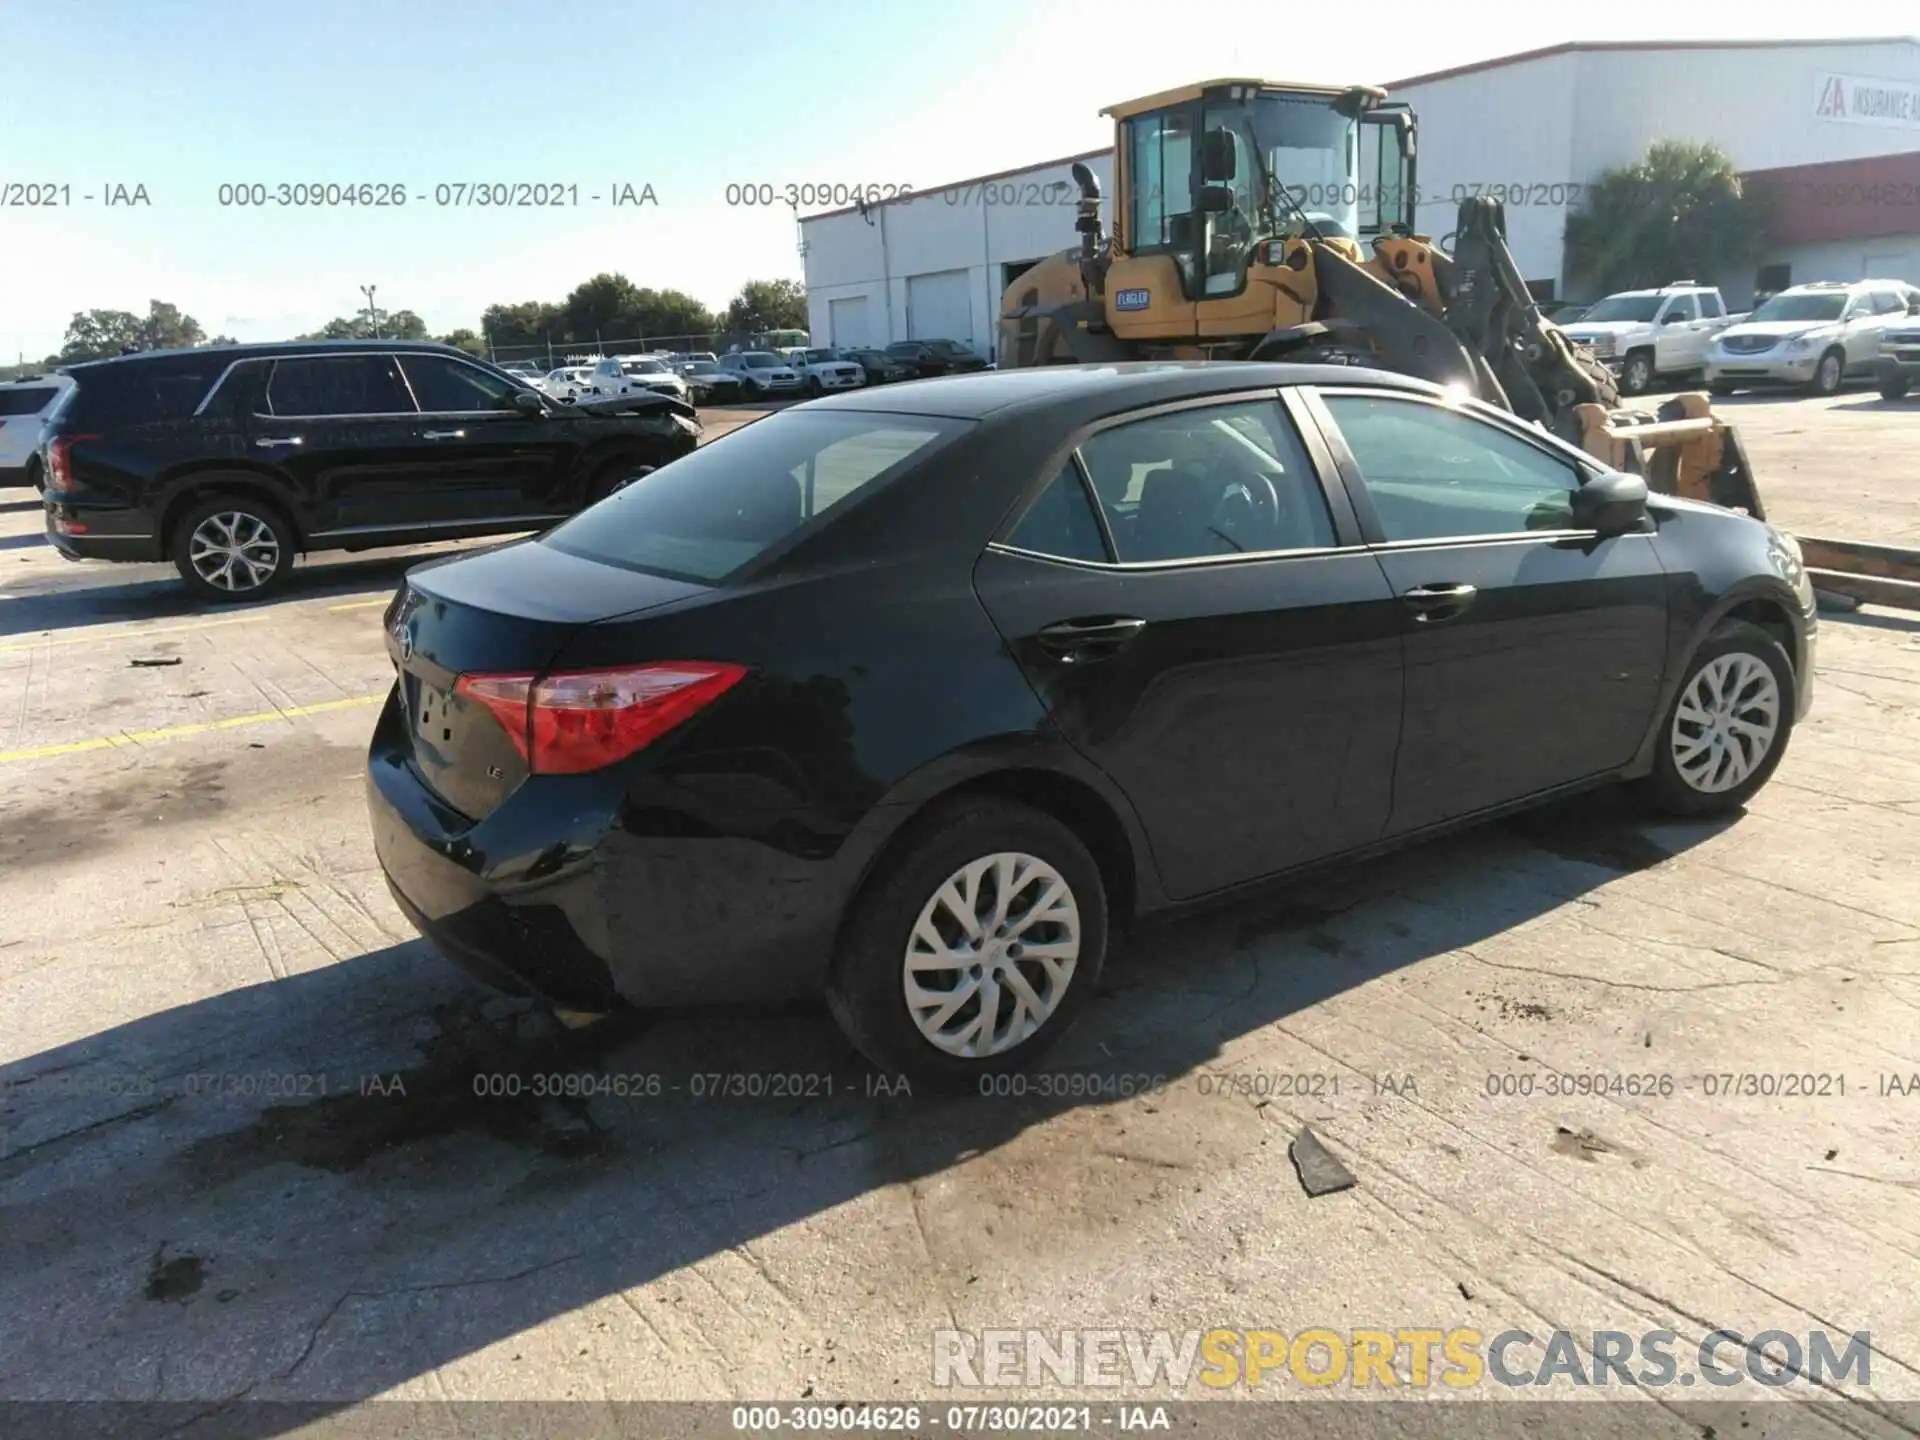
{"x":1260,"y":221}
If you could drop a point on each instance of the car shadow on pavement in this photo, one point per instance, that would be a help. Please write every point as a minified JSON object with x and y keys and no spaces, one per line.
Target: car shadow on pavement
{"x":45,"y":604}
{"x":325,"y":1186}
{"x":20,"y":507}
{"x":1877,"y":402}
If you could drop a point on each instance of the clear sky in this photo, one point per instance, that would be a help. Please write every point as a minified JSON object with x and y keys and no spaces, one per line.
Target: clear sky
{"x":182,"y":96}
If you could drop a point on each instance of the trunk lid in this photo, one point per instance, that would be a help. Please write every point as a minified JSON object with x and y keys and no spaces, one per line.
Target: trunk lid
{"x":504,"y":611}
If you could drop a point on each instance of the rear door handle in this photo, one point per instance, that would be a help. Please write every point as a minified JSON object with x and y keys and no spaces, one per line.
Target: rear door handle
{"x":1438,"y":602}
{"x":1078,"y":641}
{"x":268,"y":442}
{"x":445,"y":435}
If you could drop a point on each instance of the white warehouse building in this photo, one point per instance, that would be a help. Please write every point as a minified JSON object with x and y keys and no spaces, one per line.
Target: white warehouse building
{"x":1832,"y":125}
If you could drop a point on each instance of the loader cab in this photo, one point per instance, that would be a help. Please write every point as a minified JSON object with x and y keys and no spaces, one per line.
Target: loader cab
{"x":1208,"y":173}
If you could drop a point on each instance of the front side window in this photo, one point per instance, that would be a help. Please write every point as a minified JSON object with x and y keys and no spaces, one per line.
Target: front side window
{"x":1214,"y":480}
{"x":1435,"y":473}
{"x":705,"y":515}
{"x":339,"y":385}
{"x":444,"y":386}
{"x":1681,"y":308}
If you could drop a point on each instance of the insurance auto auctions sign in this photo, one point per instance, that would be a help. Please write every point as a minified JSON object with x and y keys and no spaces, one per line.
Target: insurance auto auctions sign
{"x":1861,"y":100}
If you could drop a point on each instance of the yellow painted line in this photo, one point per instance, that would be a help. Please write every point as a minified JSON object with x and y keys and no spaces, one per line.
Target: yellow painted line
{"x":361,"y":604}
{"x":177,"y":732}
{"x":88,"y":637}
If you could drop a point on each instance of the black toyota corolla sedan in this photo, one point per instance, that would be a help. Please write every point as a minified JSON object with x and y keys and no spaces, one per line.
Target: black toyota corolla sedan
{"x":909,"y":696}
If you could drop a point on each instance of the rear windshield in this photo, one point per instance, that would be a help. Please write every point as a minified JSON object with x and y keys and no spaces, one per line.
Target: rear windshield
{"x":709,"y":513}
{"x":25,"y":399}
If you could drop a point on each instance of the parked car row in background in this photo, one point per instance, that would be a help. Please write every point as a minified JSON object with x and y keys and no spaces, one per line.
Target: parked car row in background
{"x":1813,"y":337}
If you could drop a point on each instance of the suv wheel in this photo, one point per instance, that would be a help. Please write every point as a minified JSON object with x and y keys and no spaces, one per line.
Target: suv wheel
{"x":232,"y":547}
{"x":1828,"y":374}
{"x":1727,"y":728}
{"x":1893,"y":387}
{"x":976,"y":947}
{"x":1636,"y":374}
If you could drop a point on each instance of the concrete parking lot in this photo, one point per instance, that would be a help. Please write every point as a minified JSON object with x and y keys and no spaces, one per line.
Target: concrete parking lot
{"x":244,"y":1153}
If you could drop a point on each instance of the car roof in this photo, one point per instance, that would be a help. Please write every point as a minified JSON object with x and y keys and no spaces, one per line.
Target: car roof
{"x":268,"y":348}
{"x":1134,"y":382}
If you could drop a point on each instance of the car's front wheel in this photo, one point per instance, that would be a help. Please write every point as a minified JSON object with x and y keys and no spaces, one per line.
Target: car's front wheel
{"x":232,"y":547}
{"x":1894,"y":387}
{"x":1727,"y":728}
{"x":1828,"y":374}
{"x":975,"y":947}
{"x":1636,"y":373}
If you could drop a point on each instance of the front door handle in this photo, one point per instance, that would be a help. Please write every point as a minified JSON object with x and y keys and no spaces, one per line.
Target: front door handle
{"x":445,"y":435}
{"x":268,"y":442}
{"x":1078,"y":641}
{"x":1438,"y":602}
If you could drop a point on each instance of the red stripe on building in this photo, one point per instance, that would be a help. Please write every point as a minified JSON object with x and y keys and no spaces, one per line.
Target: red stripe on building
{"x":1843,"y":199}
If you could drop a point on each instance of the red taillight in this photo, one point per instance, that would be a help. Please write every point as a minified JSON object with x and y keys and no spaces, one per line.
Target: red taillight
{"x":579,"y":720}
{"x":59,"y":464}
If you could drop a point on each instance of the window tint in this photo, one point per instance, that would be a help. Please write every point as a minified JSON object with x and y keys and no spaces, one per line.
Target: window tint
{"x":339,"y":385}
{"x":707,"y":514}
{"x":140,"y":394}
{"x":443,"y":385}
{"x":1711,"y":308}
{"x":1062,"y":521}
{"x":1683,"y":306}
{"x":1218,"y":480}
{"x":1433,"y":473}
{"x":26,"y":399}
{"x":1885,"y":302}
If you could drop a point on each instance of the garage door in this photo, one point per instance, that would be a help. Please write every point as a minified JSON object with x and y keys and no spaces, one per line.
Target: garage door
{"x":940,"y":307}
{"x":847,"y":322}
{"x":1894,"y":265}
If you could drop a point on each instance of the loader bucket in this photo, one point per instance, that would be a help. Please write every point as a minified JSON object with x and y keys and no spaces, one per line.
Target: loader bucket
{"x":1682,"y":449}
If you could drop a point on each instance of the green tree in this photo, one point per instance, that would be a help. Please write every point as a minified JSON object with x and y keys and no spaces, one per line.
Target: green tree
{"x":1681,"y":212}
{"x":531,"y":322}
{"x":467,"y":340}
{"x":605,"y":306}
{"x":402,"y":325}
{"x":92,"y":334}
{"x":165,"y":328}
{"x":768,"y":305}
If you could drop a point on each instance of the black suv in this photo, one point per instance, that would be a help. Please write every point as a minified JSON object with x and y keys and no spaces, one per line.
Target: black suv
{"x":227,"y":460}
{"x":936,"y":357}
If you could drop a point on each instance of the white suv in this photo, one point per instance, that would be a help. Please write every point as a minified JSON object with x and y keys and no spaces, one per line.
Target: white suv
{"x":1815,"y":336}
{"x":762,"y":372}
{"x":25,"y":406}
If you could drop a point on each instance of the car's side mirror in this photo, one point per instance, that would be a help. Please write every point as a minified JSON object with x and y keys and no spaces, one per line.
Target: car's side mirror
{"x":526,"y":402}
{"x":1610,"y":504}
{"x":1216,"y":199}
{"x":1673,"y":319}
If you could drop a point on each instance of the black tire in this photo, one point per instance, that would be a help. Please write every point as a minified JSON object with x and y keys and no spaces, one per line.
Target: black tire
{"x":813,"y":387}
{"x":614,"y":476}
{"x":1894,"y":387}
{"x":34,"y":477}
{"x":271,"y":543}
{"x":1636,"y":373}
{"x":1827,"y":378}
{"x":867,"y":990}
{"x":1666,"y":789}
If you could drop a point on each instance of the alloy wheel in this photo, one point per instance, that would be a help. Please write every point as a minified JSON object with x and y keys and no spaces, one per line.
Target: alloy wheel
{"x":1827,"y":377}
{"x":1726,"y":723}
{"x":991,"y":955}
{"x":234,"y":550}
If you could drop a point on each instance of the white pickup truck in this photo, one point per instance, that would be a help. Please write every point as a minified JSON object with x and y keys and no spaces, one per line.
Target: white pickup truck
{"x":1645,"y":334}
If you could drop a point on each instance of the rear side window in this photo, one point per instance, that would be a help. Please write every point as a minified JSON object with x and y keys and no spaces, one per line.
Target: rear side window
{"x":1711,"y":307}
{"x":709,"y":513}
{"x":339,"y":385}
{"x":122,"y":394}
{"x":1061,"y":522}
{"x":25,"y":399}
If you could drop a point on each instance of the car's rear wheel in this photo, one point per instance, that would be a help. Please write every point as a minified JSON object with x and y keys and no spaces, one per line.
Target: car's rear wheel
{"x":975,"y":947}
{"x":1828,"y":374}
{"x":1727,"y":728}
{"x":233,"y":547}
{"x":34,"y":476}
